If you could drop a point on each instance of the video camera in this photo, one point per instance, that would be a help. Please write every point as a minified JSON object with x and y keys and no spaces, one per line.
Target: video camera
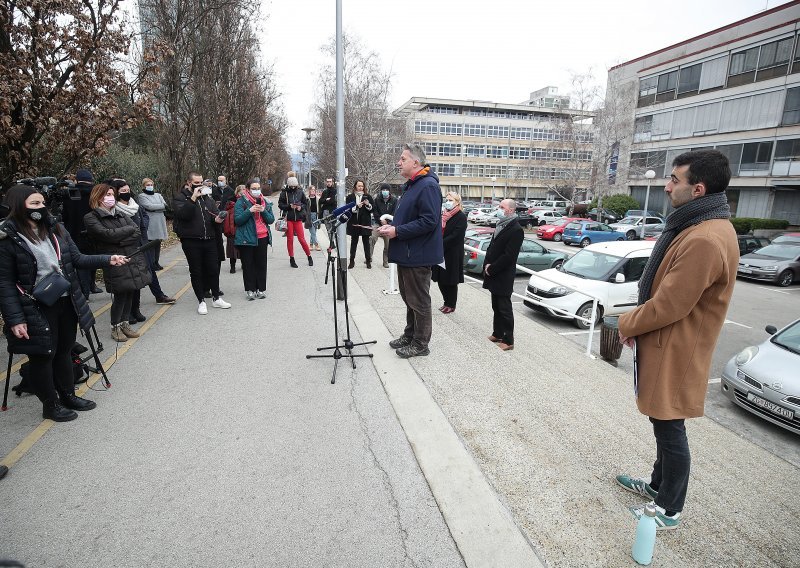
{"x":55,"y":192}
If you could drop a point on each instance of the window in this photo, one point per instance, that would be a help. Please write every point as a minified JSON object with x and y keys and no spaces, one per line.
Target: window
{"x":642,"y":128}
{"x":520,"y":133}
{"x":666,"y":86}
{"x":643,"y":161}
{"x":541,"y":134}
{"x":755,"y":158}
{"x":472,"y":170}
{"x":743,"y":67}
{"x":497,"y":151}
{"x":449,"y":149}
{"x":791,"y":108}
{"x":474,"y":151}
{"x":475,"y":130}
{"x":426,"y":127}
{"x":713,"y":74}
{"x":689,"y":80}
{"x":450,"y":128}
{"x":796,"y":58}
{"x":430,"y":148}
{"x":447,"y":169}
{"x":497,"y":131}
{"x":774,"y":59}
{"x":475,"y":112}
{"x":443,"y":110}
{"x":519,"y":153}
{"x":787,"y":158}
{"x":734,"y":154}
{"x":647,"y":90}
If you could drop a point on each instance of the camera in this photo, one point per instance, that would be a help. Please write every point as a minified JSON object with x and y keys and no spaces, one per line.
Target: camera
{"x":55,"y":192}
{"x":205,"y":190}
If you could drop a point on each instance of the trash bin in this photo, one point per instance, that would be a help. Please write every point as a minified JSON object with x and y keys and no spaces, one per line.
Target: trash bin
{"x":610,"y":345}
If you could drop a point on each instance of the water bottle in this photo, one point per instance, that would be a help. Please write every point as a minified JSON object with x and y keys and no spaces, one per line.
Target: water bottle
{"x":645,"y":536}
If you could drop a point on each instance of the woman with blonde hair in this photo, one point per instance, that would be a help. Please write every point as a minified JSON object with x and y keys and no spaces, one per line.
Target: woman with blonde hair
{"x":155,"y":206}
{"x":454,"y":226}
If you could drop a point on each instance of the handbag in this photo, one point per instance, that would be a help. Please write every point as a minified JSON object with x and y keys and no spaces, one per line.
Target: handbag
{"x":281,"y":224}
{"x":50,"y":288}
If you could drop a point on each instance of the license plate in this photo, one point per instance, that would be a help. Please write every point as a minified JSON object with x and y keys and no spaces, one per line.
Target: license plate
{"x":745,"y":271}
{"x":771,"y":406}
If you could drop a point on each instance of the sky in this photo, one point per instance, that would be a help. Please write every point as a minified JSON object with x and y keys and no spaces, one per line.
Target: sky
{"x":498,"y":51}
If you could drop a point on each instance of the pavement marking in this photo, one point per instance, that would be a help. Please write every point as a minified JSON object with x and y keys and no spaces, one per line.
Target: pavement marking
{"x":574,"y":332}
{"x":715,"y":381}
{"x":739,"y":324}
{"x":773,"y":290}
{"x":28,"y":442}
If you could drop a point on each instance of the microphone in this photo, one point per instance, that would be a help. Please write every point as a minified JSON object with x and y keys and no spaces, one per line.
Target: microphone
{"x":341,"y":214}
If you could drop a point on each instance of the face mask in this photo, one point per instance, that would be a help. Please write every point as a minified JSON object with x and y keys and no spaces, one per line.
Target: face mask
{"x":148,"y":189}
{"x":196,"y":185}
{"x":37,"y":215}
{"x":221,"y":183}
{"x":385,"y":194}
{"x":449,"y":205}
{"x":255,"y":192}
{"x":109,"y":201}
{"x":124,"y":197}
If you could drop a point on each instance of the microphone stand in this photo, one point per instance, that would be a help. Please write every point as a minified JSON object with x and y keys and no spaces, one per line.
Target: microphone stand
{"x":345,"y":349}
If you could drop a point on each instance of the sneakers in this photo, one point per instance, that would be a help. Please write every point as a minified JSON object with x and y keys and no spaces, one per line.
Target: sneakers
{"x":251,"y":296}
{"x":663,"y":522}
{"x":401,"y":341}
{"x":220,"y":303}
{"x":260,"y":295}
{"x":117,"y":334}
{"x":636,"y":485}
{"x":413,"y":350}
{"x":202,"y":309}
{"x":126,"y":328}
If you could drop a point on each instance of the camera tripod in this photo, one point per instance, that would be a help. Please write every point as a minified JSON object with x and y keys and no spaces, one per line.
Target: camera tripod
{"x":345,"y":349}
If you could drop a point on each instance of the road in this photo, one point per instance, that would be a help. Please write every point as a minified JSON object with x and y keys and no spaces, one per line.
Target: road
{"x":754,"y":306}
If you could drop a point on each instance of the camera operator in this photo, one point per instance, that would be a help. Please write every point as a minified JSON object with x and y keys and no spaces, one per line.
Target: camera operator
{"x":197,"y":223}
{"x":72,"y":214}
{"x":32,"y":247}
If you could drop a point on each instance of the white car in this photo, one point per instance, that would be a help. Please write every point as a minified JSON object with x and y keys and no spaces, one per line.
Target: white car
{"x":545,"y":217}
{"x":475,"y":213}
{"x":485,"y":218}
{"x":632,"y":226}
{"x":608,"y":271}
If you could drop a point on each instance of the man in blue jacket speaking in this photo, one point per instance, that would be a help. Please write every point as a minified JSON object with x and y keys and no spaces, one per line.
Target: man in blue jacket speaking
{"x":415,"y":245}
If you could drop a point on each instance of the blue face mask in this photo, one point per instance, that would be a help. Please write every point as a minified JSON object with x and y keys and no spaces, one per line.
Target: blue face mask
{"x":385,"y":194}
{"x":255,"y":192}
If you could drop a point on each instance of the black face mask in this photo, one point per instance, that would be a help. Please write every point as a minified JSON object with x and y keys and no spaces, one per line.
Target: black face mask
{"x":125,"y":197}
{"x":196,"y":185}
{"x":37,"y":215}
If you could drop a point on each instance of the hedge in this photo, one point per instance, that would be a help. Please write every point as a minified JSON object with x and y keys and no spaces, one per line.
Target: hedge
{"x":744,"y":225}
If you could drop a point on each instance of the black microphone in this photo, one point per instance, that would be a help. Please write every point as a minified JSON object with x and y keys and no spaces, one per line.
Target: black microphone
{"x":341,"y":214}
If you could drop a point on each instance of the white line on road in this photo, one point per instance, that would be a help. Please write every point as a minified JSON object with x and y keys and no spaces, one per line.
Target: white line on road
{"x":573,"y":332}
{"x":773,"y":290}
{"x":739,"y":324}
{"x":715,"y":381}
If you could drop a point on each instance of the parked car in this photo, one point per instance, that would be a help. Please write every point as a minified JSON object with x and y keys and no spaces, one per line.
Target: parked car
{"x":585,"y":233}
{"x":641,"y":213}
{"x":787,"y":238}
{"x":492,"y":219}
{"x":653,"y":233}
{"x":559,"y":205}
{"x":763,"y":379}
{"x":554,"y":231}
{"x":532,"y":255}
{"x":544,"y":217}
{"x":776,"y":263}
{"x":483,"y":217}
{"x":477,"y":211}
{"x":632,"y":226}
{"x":475,"y":231}
{"x":607,"y":271}
{"x":748,"y":243}
{"x":608,"y":215}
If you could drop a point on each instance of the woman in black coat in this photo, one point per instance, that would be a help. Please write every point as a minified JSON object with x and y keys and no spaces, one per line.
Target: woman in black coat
{"x":362,"y":215}
{"x":454,"y":224}
{"x":113,"y":232}
{"x":32,"y":246}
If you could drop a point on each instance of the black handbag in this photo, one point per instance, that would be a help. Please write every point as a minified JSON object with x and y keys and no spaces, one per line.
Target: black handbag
{"x":50,"y":288}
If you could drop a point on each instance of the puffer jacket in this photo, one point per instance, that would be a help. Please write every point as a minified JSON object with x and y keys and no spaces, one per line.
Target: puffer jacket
{"x":116,"y":233}
{"x":195,"y":220}
{"x":18,"y":266}
{"x":246,"y":224}
{"x":293,"y":196}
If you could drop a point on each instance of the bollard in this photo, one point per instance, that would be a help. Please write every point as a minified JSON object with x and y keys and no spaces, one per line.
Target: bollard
{"x":610,"y":345}
{"x":392,"y":289}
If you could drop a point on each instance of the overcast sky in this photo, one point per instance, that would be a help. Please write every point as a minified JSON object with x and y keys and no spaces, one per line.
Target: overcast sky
{"x":498,"y":50}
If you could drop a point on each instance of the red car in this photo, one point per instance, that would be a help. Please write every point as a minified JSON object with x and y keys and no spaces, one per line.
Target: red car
{"x":553,"y":232}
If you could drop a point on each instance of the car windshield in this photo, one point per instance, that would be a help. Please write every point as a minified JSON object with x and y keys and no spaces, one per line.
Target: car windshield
{"x":590,"y":264}
{"x":629,"y":221}
{"x":787,"y":239}
{"x":785,"y":252}
{"x":789,"y":338}
{"x":560,"y":222}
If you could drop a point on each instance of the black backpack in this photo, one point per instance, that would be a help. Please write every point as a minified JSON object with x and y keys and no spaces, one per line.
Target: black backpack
{"x":80,"y":371}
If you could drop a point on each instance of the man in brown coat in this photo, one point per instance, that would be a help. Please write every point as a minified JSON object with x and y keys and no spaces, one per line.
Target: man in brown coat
{"x":683,"y":298}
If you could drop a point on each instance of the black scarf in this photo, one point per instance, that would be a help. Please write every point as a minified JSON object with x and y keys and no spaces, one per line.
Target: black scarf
{"x":714,"y":206}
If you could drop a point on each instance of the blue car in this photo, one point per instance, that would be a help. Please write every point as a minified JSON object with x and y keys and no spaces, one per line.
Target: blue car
{"x":587,"y":232}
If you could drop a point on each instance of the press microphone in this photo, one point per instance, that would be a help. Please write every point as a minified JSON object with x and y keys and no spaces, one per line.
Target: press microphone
{"x":341,"y":214}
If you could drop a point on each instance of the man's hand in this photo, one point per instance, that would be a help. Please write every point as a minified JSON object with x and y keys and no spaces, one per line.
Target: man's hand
{"x":388,"y":231}
{"x":625,"y":340}
{"x":219,"y":219}
{"x":119,"y":260}
{"x":384,"y":222}
{"x":196,"y":193}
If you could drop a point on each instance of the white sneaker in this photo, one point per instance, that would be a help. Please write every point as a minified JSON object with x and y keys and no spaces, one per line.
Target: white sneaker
{"x":251,"y":295}
{"x":202,"y":309}
{"x":260,"y":295}
{"x":220,"y":303}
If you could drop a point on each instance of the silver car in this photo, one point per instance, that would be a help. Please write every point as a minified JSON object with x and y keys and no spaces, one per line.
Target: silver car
{"x":776,"y":263}
{"x":764,"y":379}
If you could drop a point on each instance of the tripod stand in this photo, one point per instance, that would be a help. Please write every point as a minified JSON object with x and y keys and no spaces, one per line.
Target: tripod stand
{"x":347,"y":344}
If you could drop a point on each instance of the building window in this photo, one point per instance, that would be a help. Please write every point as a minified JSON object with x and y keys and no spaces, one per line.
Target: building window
{"x":497,"y":151}
{"x":666,"y":86}
{"x":643,"y":161}
{"x":443,"y":110}
{"x":474,"y":151}
{"x":791,"y":108}
{"x":497,"y":131}
{"x":520,"y":133}
{"x":426,"y":127}
{"x":450,"y":129}
{"x":755,"y":159}
{"x":519,"y":153}
{"x":444,"y":169}
{"x":787,"y":158}
{"x":689,"y":80}
{"x":647,"y":90}
{"x":541,"y":134}
{"x":449,"y":149}
{"x":774,"y":59}
{"x":472,"y":170}
{"x":430,"y":148}
{"x":475,"y":130}
{"x":475,"y":112}
{"x":743,"y":67}
{"x":643,"y":126}
{"x":796,"y":58}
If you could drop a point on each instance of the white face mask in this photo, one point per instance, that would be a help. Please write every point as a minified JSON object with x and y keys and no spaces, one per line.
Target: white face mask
{"x":255,"y":192}
{"x":148,"y":188}
{"x":449,"y":205}
{"x":221,"y":183}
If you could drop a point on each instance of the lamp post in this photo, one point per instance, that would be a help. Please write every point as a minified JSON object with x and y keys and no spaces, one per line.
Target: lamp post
{"x":303,"y":169}
{"x":308,"y":130}
{"x":649,"y":174}
{"x":494,"y":181}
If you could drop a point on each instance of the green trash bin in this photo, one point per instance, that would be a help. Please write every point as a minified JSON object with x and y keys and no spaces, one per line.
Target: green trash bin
{"x":610,"y":345}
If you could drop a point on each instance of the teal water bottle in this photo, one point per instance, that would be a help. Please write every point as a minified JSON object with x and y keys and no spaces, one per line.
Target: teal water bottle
{"x":645,"y":536}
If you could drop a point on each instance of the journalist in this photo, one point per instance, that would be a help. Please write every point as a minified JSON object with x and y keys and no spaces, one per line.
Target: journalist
{"x":253,"y":216}
{"x":34,"y":248}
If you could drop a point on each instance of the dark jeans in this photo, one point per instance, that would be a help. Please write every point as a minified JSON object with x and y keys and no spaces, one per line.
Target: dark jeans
{"x":157,"y":253}
{"x":203,"y":259}
{"x":53,"y":372}
{"x":671,"y":469}
{"x":254,"y":265}
{"x":86,"y":278}
{"x":155,"y":285}
{"x":121,"y":306}
{"x":415,"y":289}
{"x":449,"y":293}
{"x":503,"y":324}
{"x":365,"y":244}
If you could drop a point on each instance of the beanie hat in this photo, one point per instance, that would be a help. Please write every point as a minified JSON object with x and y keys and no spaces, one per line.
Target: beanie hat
{"x":385,"y":185}
{"x":292,"y":182}
{"x":84,"y":175}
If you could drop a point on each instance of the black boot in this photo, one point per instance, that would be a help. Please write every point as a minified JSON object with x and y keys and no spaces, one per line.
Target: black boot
{"x":292,"y":263}
{"x":351,"y":264}
{"x":310,"y":261}
{"x":136,"y":317}
{"x":233,"y":267}
{"x":369,"y":263}
{"x":53,"y":410}
{"x":74,"y":402}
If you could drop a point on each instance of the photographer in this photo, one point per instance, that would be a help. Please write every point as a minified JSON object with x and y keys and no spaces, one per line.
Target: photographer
{"x":294,"y":203}
{"x":73,"y":212}
{"x":32,"y":248}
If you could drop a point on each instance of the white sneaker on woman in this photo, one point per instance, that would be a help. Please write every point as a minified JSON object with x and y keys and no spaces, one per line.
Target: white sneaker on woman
{"x":202,"y":309}
{"x":220,"y":303}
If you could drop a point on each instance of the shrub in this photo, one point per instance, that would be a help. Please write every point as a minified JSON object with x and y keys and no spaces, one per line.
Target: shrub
{"x":744,"y":225}
{"x":619,"y":203}
{"x":741,"y":225}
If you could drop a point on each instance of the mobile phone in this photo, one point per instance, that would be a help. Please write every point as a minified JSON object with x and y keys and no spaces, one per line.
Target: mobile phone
{"x":205,"y":190}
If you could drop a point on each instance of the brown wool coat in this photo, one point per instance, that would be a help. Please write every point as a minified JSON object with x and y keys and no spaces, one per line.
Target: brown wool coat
{"x":677,"y":329}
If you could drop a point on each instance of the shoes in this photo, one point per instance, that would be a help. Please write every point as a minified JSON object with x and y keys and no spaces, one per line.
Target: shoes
{"x":202,"y":309}
{"x":221,"y":293}
{"x":95,"y":290}
{"x":447,"y":310}
{"x":137,"y":317}
{"x":157,"y":267}
{"x":401,"y":341}
{"x":207,"y":294}
{"x":663,"y":521}
{"x":351,"y":264}
{"x":53,"y":410}
{"x":220,"y":303}
{"x":74,"y":402}
{"x":165,"y":300}
{"x":317,"y":247}
{"x":506,"y":346}
{"x":251,"y":295}
{"x":292,"y":263}
{"x":636,"y":485}
{"x":413,"y":350}
{"x":3,"y":471}
{"x":126,"y":328}
{"x":233,"y":270}
{"x":386,"y":265}
{"x":117,"y":334}
{"x":260,"y":295}
{"x":310,"y":261}
{"x":494,"y":339}
{"x":369,"y":264}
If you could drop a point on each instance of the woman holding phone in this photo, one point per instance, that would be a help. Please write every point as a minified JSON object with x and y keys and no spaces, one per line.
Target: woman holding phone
{"x":253,"y":216}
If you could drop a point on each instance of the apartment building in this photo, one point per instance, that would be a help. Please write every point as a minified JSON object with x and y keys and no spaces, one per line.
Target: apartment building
{"x":736,"y":89}
{"x":485,"y":150}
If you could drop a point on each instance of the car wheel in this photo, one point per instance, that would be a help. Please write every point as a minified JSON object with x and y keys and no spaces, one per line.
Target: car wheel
{"x":585,"y":311}
{"x":558,"y":264}
{"x":557,"y":237}
{"x":543,"y":222}
{"x":585,"y":242}
{"x":630,"y":235}
{"x":785,"y":278}
{"x":620,"y":239}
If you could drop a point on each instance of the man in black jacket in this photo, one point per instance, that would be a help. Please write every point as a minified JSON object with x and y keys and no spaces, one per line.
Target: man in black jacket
{"x":72,"y":215}
{"x":499,"y":269}
{"x":327,"y":202}
{"x":385,"y":203}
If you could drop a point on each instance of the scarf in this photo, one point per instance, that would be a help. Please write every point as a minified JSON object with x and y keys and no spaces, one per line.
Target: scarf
{"x":130,"y":209}
{"x":261,"y":227}
{"x":447,"y":214}
{"x":423,"y":172}
{"x":503,"y":222}
{"x":714,"y":206}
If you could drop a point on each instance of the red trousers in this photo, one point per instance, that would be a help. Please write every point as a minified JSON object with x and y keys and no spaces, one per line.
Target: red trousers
{"x":292,"y":228}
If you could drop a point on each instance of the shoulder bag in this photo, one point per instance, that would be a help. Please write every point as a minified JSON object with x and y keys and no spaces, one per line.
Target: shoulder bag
{"x":50,"y":288}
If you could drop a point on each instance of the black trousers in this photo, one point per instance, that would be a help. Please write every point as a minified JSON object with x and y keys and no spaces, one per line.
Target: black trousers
{"x":254,"y":265}
{"x":449,"y":294}
{"x":204,"y":263}
{"x":671,"y":470}
{"x":157,"y":252}
{"x":121,"y":306}
{"x":354,"y":247}
{"x":53,"y":372}
{"x":503,"y":319}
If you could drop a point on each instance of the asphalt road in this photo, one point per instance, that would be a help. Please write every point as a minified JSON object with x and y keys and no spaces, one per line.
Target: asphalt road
{"x":754,"y":306}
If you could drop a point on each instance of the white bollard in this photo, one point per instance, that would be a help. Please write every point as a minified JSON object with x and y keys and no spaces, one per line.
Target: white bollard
{"x":392,"y":289}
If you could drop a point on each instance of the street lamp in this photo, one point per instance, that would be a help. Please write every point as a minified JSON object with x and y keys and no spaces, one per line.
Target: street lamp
{"x":649,"y":174}
{"x":303,"y":169}
{"x":308,"y":130}
{"x":494,"y":180}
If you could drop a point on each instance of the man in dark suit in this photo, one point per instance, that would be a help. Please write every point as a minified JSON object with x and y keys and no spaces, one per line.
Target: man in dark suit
{"x":499,"y":269}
